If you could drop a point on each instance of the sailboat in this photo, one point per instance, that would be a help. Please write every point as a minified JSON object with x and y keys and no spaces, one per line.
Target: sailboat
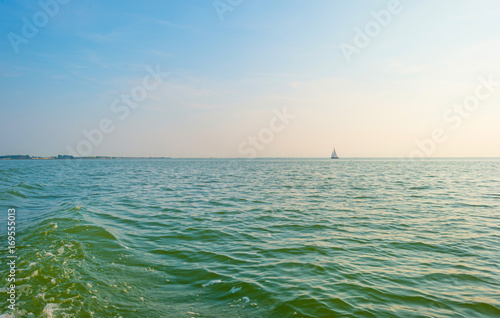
{"x":334,"y":154}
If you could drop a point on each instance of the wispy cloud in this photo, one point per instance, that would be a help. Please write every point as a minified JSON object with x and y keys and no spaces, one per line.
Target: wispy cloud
{"x":88,"y":78}
{"x":158,"y":21}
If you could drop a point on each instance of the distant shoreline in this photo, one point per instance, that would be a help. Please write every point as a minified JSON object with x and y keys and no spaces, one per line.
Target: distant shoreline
{"x":67,"y":157}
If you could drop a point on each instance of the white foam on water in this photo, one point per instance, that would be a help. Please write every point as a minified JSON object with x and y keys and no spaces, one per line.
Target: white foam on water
{"x":246,"y":299}
{"x":234,"y":290}
{"x":60,"y":250}
{"x":49,"y":310}
{"x":210,"y":283}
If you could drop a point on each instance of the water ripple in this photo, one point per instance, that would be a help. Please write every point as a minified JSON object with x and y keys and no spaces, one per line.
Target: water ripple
{"x":256,"y":238}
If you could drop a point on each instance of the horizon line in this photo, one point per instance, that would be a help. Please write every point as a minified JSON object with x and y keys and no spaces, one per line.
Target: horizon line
{"x":287,"y":157}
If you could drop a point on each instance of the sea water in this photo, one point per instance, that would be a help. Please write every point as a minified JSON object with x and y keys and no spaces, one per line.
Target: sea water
{"x":253,"y":238}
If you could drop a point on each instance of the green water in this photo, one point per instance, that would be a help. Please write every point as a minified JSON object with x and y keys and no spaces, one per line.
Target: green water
{"x":253,"y":238}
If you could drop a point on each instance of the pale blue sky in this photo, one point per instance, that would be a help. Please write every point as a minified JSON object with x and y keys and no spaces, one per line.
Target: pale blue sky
{"x":227,"y":76}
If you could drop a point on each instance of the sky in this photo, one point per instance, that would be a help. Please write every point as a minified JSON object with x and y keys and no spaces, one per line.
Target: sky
{"x":241,"y":78}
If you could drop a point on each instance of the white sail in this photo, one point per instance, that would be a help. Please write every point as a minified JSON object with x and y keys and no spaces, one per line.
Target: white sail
{"x":334,"y":154}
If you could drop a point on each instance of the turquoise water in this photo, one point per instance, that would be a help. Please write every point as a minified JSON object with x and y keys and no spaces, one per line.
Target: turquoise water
{"x":254,"y":238}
